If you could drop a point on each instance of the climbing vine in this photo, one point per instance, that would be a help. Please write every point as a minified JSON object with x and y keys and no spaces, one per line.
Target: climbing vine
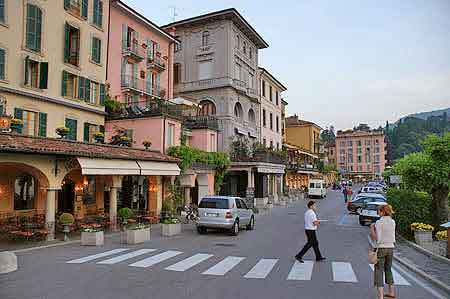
{"x":189,"y":156}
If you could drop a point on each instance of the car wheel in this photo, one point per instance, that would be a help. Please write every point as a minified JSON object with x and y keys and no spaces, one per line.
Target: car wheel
{"x":201,"y":230}
{"x":235,"y":229}
{"x":362,"y":222}
{"x":251,"y":224}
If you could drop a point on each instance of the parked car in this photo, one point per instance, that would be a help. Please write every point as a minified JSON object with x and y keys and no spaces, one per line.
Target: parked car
{"x":355,"y":205}
{"x":224,"y":212}
{"x":317,"y":188}
{"x":371,"y":189}
{"x":369,"y":212}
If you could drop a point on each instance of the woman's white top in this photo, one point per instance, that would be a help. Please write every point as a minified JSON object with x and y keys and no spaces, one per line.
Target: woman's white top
{"x":385,"y":228}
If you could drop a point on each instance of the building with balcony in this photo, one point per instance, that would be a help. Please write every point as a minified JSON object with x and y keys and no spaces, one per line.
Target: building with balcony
{"x":300,"y":168}
{"x":272,"y":120}
{"x":361,"y":153}
{"x":304,"y":134}
{"x":53,"y":61}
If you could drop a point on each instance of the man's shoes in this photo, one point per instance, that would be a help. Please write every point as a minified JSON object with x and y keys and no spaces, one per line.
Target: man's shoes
{"x":299,"y":259}
{"x":321,"y":259}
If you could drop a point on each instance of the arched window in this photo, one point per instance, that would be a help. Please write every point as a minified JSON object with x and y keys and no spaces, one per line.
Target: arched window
{"x":244,"y":48}
{"x":24,"y":192}
{"x":208,"y":108}
{"x":238,"y":110}
{"x":205,"y":38}
{"x":251,"y":116}
{"x":238,"y":41}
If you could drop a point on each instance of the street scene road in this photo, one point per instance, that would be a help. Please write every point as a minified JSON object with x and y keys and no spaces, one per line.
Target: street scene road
{"x":257,"y":263}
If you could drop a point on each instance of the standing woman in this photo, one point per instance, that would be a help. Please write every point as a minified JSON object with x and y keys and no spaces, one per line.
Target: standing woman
{"x":383,"y":234}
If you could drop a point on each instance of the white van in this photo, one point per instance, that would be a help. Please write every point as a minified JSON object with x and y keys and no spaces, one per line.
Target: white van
{"x":317,"y":188}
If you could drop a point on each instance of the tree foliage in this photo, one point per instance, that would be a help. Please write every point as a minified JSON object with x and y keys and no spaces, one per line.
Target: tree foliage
{"x":327,"y":136}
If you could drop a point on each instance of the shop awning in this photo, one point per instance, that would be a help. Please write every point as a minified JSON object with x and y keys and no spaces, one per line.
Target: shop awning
{"x":158,"y":168}
{"x":93,"y":166}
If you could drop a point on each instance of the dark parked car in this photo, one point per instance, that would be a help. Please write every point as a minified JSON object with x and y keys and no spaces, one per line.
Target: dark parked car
{"x":369,"y":213}
{"x":355,"y":205}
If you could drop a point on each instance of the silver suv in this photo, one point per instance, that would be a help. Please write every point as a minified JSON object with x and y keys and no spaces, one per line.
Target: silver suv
{"x":225,"y":212}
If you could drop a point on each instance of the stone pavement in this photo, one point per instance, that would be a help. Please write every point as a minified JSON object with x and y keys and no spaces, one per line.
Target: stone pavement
{"x":433,"y":267}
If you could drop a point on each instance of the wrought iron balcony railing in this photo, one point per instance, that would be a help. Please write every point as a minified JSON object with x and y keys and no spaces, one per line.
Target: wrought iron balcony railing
{"x":140,"y":86}
{"x":140,"y":109}
{"x":133,"y":50}
{"x":201,"y":122}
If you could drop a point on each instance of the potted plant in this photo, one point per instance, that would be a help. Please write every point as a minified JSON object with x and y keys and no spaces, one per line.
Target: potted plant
{"x":91,"y":236}
{"x":166,"y":209}
{"x":62,"y":131}
{"x":147,"y":144}
{"x":171,"y":227}
{"x":442,"y":238}
{"x":136,"y":233}
{"x":16,"y":124}
{"x":125,"y":214}
{"x":99,"y":137}
{"x":66,"y":220}
{"x":422,"y":233}
{"x":125,"y":141}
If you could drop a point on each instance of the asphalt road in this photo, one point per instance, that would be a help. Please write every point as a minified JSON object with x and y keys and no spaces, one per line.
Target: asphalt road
{"x":255,"y":264}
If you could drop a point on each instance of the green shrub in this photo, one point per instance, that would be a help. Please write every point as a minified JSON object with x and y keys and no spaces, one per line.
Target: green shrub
{"x":66,"y":219}
{"x":409,"y":207}
{"x":125,"y":213}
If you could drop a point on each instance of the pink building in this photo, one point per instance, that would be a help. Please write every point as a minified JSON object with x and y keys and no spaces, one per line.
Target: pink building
{"x":361,"y":153}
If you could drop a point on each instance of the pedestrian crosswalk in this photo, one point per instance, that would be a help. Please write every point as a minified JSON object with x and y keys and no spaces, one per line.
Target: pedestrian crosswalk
{"x":211,"y":265}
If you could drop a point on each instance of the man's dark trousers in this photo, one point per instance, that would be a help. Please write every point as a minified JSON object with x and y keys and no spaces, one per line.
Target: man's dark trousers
{"x":312,"y":242}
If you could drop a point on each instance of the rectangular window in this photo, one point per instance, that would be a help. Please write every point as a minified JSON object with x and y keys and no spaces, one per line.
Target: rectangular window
{"x":263,"y":88}
{"x":2,"y":11}
{"x":350,"y":158}
{"x":77,"y":7}
{"x":377,"y":158}
{"x":176,"y":73}
{"x":96,"y":51}
{"x":350,"y":143}
{"x":270,"y":93}
{"x":98,"y":13}
{"x":36,"y":74}
{"x":94,"y":93}
{"x":264,"y":117}
{"x":89,"y":131}
{"x":171,"y":135}
{"x":368,"y":158}
{"x":70,"y":85}
{"x":72,"y":45}
{"x":212,"y":141}
{"x":33,"y":28}
{"x":264,"y":142}
{"x":359,"y":159}
{"x":271,"y":121}
{"x":71,"y":124}
{"x":359,"y":143}
{"x":342,"y":143}
{"x":276,"y":97}
{"x":177,"y":45}
{"x":204,"y":70}
{"x":359,"y":168}
{"x":30,"y":123}
{"x":271,"y":143}
{"x":2,"y":64}
{"x":278,"y":124}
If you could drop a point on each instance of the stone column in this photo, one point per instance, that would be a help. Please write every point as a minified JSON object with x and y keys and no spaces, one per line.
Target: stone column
{"x":203,"y":189}
{"x":116,"y":184}
{"x":50,"y":213}
{"x":187,"y":195}
{"x":159,"y":194}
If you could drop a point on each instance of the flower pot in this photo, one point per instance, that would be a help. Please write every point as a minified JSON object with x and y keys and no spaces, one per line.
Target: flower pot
{"x":66,"y":231}
{"x":92,"y":238}
{"x":423,"y":237}
{"x":169,"y":230}
{"x":15,"y":128}
{"x":135,"y":236}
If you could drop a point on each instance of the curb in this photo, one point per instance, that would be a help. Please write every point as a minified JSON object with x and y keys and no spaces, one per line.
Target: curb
{"x":424,"y":275}
{"x":427,"y":252}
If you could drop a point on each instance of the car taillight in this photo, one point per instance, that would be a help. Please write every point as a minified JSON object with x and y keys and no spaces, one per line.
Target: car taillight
{"x":228,"y":215}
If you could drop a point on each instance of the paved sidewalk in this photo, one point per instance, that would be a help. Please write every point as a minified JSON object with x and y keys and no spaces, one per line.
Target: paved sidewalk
{"x":433,"y":267}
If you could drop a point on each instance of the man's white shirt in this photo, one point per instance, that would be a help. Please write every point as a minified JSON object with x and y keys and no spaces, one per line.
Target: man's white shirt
{"x":310,"y":217}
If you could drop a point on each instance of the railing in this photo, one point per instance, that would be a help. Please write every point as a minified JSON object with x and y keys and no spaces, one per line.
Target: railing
{"x":201,"y":122}
{"x":74,"y":6}
{"x":267,"y":157}
{"x":156,"y":62}
{"x":144,"y":108}
{"x":252,"y":92}
{"x":240,"y":85}
{"x":203,"y":84}
{"x":133,"y":49}
{"x":204,"y":50}
{"x":142,"y":86}
{"x":303,"y":167}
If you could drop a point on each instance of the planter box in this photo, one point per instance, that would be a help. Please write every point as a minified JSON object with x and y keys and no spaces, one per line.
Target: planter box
{"x":169,"y":230}
{"x":136,"y":236}
{"x":423,"y":238}
{"x":92,"y":239}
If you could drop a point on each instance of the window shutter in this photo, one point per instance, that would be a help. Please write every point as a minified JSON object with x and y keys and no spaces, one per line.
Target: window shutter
{"x":71,"y":124}
{"x":31,"y":26}
{"x":100,"y":13}
{"x":66,"y":4}
{"x":158,"y":82}
{"x":123,"y":71}
{"x":94,"y":49}
{"x":102,"y":94}
{"x":124,"y":36}
{"x":2,"y":11}
{"x":84,"y":8}
{"x":43,"y":76}
{"x":2,"y":63}
{"x":148,"y":83}
{"x":150,"y":49}
{"x":99,"y":50}
{"x":81,"y":88}
{"x":42,"y":124}
{"x":86,"y":132}
{"x":95,"y":12}
{"x":38,"y":29}
{"x":66,"y":43}
{"x":27,"y":65}
{"x":65,"y":77}
{"x":87,"y":89}
{"x":135,"y":76}
{"x":18,"y":113}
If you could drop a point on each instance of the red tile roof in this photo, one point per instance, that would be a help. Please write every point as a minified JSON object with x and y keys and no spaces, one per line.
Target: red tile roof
{"x":60,"y":147}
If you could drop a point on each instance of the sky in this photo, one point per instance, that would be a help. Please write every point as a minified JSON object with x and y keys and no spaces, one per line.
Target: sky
{"x":344,"y":62}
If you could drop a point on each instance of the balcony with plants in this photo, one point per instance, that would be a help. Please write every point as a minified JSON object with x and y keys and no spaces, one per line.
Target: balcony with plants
{"x":133,"y":50}
{"x":156,"y":62}
{"x":201,"y":122}
{"x":243,"y":151}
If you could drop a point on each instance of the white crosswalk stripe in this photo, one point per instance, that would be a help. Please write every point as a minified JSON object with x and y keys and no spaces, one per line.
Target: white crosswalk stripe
{"x":126,"y":256}
{"x":96,"y":256}
{"x":189,"y":262}
{"x":224,"y":266}
{"x":301,"y":271}
{"x":398,"y":278}
{"x":262,"y":268}
{"x":343,"y":272}
{"x":153,"y":260}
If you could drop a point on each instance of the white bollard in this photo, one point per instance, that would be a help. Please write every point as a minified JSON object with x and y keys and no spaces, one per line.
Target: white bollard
{"x":8,"y":262}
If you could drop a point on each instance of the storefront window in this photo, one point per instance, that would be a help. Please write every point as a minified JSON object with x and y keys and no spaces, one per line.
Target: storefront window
{"x":24,"y":192}
{"x":89,"y":190}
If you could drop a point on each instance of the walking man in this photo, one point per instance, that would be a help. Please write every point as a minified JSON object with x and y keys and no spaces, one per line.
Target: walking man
{"x":311,"y":224}
{"x":344,"y":191}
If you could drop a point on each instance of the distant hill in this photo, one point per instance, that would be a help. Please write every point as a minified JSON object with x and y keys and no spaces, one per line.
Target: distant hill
{"x":425,"y":115}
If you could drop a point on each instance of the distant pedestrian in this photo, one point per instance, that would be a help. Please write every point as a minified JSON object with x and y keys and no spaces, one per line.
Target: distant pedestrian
{"x":383,"y":235}
{"x":311,"y":224}
{"x":349,"y":194}
{"x":344,"y":191}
